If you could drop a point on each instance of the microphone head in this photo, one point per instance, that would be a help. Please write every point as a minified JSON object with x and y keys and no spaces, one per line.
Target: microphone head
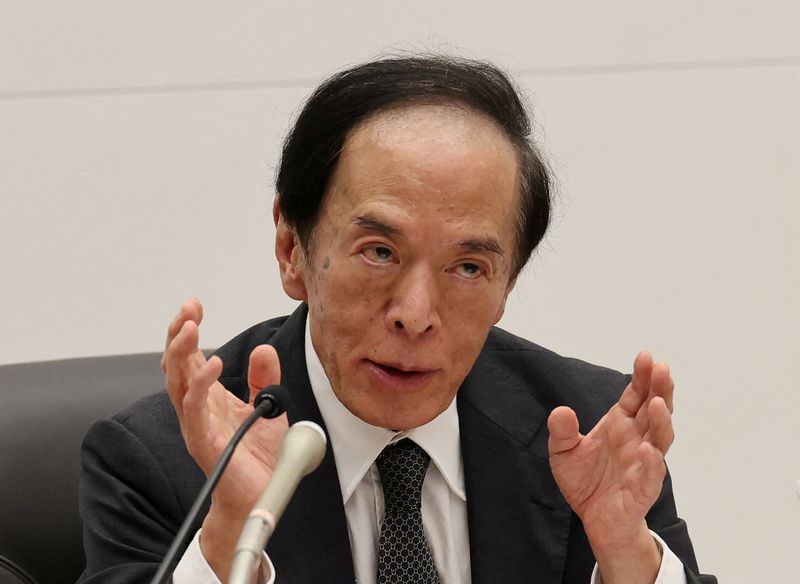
{"x":305,"y":444}
{"x":275,"y":398}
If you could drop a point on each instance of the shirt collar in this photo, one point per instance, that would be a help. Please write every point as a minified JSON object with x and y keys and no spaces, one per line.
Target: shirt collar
{"x":356,"y":444}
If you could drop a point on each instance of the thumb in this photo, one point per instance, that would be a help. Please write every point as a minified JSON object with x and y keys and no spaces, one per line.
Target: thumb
{"x":264,"y":369}
{"x":564,"y":430}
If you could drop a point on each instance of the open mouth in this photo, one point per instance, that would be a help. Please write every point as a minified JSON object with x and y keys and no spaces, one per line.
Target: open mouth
{"x":396,"y":373}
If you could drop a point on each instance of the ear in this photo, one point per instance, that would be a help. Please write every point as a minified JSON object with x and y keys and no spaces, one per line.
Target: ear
{"x":290,"y":256}
{"x":502,"y":308}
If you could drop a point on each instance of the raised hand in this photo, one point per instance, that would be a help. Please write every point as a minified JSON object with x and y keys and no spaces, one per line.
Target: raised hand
{"x":614,"y":474}
{"x":209,"y":416}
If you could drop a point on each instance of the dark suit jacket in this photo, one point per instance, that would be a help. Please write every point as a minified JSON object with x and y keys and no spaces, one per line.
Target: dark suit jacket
{"x":139,"y":481}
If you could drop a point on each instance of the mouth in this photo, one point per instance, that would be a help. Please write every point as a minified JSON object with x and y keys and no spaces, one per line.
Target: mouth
{"x":398,"y":374}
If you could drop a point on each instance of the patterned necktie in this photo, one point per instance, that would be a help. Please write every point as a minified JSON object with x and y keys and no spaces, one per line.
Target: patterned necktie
{"x":403,"y":553}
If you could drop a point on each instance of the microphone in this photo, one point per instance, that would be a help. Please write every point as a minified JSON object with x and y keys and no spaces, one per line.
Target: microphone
{"x":273,"y":397}
{"x":302,"y":450}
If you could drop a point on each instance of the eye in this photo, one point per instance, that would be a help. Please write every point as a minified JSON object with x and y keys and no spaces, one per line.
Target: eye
{"x":380,"y":254}
{"x":469,"y":270}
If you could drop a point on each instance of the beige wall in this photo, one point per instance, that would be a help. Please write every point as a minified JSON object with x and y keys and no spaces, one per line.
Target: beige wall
{"x":137,"y":151}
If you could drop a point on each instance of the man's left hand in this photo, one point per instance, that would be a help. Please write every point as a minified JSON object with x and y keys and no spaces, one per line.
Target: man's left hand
{"x":612,"y":476}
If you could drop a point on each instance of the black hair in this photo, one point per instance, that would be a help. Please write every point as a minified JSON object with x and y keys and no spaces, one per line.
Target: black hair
{"x":312,"y":148}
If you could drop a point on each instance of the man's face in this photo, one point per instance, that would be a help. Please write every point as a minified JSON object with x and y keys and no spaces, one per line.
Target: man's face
{"x":411,"y":260}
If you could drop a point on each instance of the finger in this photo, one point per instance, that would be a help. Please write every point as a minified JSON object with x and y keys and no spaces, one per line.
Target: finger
{"x":564,"y":430}
{"x":661,"y":434}
{"x":638,"y":389}
{"x":179,"y":364}
{"x":197,"y":410}
{"x":195,"y":401}
{"x":264,"y":369}
{"x":662,"y":383}
{"x":653,"y":471}
{"x":192,"y":310}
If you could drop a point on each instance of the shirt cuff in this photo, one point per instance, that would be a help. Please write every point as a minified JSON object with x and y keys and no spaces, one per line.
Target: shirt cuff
{"x":194,"y":569}
{"x":670,"y":572}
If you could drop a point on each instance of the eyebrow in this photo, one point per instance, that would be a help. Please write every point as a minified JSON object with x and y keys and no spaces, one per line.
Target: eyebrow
{"x":374,"y":225}
{"x":479,"y":244}
{"x":483,"y":244}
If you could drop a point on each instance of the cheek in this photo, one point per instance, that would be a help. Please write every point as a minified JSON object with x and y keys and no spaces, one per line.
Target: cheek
{"x":357,"y":284}
{"x":468,"y":315}
{"x":344,"y":300}
{"x":473,"y":305}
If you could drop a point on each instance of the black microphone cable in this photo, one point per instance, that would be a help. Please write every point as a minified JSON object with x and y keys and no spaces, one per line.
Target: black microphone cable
{"x":268,"y":404}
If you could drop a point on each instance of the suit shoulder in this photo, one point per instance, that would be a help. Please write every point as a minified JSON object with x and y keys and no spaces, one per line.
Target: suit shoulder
{"x":149,"y":424}
{"x":501,"y":341}
{"x":552,"y":378}
{"x":152,"y":413}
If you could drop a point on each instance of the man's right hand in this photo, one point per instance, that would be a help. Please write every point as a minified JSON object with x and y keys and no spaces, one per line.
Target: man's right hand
{"x":209,"y":415}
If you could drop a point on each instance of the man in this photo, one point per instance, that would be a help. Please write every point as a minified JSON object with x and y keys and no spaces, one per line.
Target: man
{"x":410,"y":196}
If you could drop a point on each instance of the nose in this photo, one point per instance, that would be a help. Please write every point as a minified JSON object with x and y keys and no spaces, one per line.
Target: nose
{"x":414,"y":308}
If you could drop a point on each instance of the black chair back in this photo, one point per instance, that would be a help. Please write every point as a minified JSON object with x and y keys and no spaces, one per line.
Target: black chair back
{"x":10,"y":573}
{"x":45,"y":410}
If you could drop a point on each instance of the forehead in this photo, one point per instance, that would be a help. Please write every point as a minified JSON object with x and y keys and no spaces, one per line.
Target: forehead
{"x":449,"y":127}
{"x":448,"y":158}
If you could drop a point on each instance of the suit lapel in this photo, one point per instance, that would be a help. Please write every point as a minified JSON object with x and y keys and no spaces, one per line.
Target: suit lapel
{"x":518,"y":520}
{"x":311,"y":543}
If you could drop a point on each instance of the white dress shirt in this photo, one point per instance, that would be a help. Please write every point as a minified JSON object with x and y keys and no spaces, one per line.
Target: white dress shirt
{"x":356,"y":445}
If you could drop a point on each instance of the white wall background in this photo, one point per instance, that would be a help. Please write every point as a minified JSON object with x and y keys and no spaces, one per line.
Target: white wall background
{"x":137,"y":151}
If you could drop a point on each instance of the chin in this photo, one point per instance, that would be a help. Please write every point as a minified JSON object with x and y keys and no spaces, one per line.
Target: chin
{"x":397,"y":417}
